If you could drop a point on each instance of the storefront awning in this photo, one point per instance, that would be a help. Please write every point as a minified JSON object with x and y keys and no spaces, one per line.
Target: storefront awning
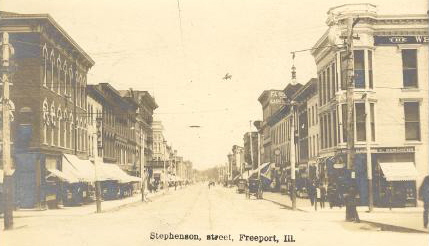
{"x":82,"y":169}
{"x":63,"y":176}
{"x":113,"y":172}
{"x":399,"y":171}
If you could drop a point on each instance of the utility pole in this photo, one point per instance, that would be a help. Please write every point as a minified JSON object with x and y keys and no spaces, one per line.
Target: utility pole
{"x":368,"y":153}
{"x":292,"y":157}
{"x":351,"y":22}
{"x":7,"y":51}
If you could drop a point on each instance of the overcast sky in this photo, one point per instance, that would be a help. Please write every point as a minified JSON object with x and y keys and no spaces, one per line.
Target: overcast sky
{"x":139,"y":44}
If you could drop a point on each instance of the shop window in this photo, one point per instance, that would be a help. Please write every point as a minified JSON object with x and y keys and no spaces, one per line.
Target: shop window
{"x":412,"y":121}
{"x":359,"y":68}
{"x":409,"y":68}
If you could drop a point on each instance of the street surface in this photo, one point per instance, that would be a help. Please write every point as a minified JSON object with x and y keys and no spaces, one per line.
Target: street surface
{"x":197,"y":211}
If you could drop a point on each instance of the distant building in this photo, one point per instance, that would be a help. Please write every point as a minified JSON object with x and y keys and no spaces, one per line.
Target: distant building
{"x":251,"y":151}
{"x":271,"y":101}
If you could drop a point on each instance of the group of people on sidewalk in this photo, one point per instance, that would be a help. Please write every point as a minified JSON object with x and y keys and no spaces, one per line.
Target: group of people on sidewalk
{"x":318,"y":194}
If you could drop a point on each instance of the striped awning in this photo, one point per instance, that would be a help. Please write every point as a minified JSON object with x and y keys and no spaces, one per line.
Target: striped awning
{"x":399,"y":171}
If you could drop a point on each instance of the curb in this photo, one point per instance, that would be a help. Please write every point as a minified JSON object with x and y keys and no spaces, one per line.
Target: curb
{"x":387,"y":227}
{"x":285,"y":206}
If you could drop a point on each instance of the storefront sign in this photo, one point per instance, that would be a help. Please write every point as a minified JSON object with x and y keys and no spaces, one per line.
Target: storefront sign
{"x":394,"y":150}
{"x":277,"y":97}
{"x":382,"y":150}
{"x":395,"y":40}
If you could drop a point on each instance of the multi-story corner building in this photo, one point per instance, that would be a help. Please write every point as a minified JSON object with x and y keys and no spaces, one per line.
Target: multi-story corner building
{"x":118,"y":122}
{"x":251,"y":151}
{"x":143,"y":126}
{"x":390,"y":100}
{"x":49,"y":95}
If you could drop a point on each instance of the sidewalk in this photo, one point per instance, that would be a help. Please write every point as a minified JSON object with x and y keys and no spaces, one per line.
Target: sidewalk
{"x":398,"y":219}
{"x":86,"y":208}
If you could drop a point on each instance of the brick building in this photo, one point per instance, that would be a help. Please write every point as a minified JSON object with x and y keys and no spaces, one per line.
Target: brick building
{"x":49,"y":94}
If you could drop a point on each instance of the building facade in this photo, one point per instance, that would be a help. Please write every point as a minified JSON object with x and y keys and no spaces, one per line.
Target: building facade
{"x":118,"y":122}
{"x":143,"y":126}
{"x":251,"y":151}
{"x":390,"y":101}
{"x":271,"y":101}
{"x":50,"y":103}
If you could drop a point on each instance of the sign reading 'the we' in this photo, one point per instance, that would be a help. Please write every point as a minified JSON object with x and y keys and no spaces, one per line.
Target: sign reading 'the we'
{"x":395,"y":40}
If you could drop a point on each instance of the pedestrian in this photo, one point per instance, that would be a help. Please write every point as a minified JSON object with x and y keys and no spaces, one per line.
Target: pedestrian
{"x":424,"y":196}
{"x":318,"y":196}
{"x":389,"y":194}
{"x":322,"y":196}
{"x":311,"y":194}
{"x":175,"y":185}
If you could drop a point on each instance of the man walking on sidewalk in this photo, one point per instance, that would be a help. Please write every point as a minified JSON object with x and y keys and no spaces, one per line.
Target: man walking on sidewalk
{"x":424,"y":196}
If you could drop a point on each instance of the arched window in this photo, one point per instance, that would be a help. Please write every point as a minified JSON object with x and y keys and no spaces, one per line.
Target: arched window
{"x":52,"y":68}
{"x":45,"y":122}
{"x":58,"y":75}
{"x":52,"y":123}
{"x":69,"y":83}
{"x":45,"y":63}
{"x":60,"y":132}
{"x":71,"y":130}
{"x":65,"y":128}
{"x":64,"y":79}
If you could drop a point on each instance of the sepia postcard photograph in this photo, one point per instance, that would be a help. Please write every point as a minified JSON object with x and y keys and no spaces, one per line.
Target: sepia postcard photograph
{"x":214,"y":122}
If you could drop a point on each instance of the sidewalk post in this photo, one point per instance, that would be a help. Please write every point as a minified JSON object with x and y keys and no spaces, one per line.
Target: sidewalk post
{"x":7,"y":51}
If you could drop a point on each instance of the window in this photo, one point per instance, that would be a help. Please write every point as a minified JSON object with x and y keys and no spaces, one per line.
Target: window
{"x":359,"y":68}
{"x":334,"y":128}
{"x":344,"y":114}
{"x":329,"y":127}
{"x":312,"y":115}
{"x":343,"y":68}
{"x":360,"y":122}
{"x":334,"y":79}
{"x":412,"y":121}
{"x":328,"y":84}
{"x":409,"y":68}
{"x":370,"y":82}
{"x":372,"y":115}
{"x":316,"y":114}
